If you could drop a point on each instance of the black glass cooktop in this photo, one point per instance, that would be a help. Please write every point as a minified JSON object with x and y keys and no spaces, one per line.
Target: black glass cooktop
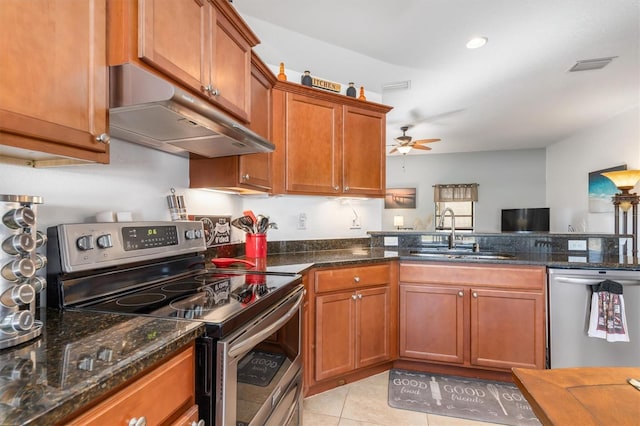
{"x":216,"y":297}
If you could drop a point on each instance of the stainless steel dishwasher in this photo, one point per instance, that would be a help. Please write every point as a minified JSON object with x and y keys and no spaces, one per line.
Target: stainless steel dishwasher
{"x":569,"y":309}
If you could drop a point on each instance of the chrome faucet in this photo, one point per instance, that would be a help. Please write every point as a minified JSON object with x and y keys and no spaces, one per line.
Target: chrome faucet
{"x":452,"y":236}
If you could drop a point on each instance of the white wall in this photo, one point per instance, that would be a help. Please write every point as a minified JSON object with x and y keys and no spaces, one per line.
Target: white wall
{"x":138,"y":179}
{"x":507,"y":179}
{"x":612,"y":143}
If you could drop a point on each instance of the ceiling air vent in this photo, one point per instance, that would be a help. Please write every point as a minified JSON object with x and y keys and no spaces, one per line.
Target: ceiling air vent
{"x":398,"y":85}
{"x":591,"y":64}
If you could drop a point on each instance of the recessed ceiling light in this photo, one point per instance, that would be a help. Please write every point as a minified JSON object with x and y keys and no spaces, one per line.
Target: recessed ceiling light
{"x":476,"y":42}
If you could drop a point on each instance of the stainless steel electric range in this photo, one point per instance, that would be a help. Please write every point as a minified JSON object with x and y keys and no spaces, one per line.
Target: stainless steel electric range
{"x":249,"y":360}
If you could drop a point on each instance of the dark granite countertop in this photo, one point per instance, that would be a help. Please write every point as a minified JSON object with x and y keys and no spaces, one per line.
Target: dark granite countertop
{"x":40,"y":382}
{"x":300,"y":262}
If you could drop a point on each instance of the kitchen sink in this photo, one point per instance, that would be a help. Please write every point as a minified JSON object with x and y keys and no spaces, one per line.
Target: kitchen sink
{"x":447,"y":253}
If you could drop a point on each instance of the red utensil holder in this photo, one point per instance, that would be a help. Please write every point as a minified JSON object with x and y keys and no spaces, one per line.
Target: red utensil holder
{"x":256,"y":245}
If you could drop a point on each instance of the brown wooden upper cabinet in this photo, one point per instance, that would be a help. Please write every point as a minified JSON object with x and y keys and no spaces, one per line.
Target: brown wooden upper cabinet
{"x":326,"y":143}
{"x":202,"y":44}
{"x":53,"y":83}
{"x":242,"y":173}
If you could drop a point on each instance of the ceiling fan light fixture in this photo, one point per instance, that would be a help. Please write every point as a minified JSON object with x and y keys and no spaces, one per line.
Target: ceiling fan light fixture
{"x":476,"y":42}
{"x":404,"y":149}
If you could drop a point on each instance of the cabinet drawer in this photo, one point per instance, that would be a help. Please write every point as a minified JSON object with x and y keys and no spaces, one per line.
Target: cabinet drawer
{"x":352,"y":277}
{"x":493,"y":275}
{"x":165,"y":392}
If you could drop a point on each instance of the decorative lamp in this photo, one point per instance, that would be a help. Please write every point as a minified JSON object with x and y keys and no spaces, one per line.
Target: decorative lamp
{"x":625,"y":180}
{"x":398,"y":221}
{"x":404,"y":149}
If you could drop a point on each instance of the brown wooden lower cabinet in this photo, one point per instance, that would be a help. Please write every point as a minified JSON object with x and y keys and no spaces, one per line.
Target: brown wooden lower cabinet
{"x":482,"y":316}
{"x":353,"y":315}
{"x":164,"y":396}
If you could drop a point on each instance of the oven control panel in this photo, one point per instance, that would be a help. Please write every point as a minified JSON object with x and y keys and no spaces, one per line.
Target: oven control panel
{"x":87,"y":246}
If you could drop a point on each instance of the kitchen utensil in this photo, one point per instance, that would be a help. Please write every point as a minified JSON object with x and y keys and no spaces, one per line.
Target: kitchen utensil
{"x":263,"y":223}
{"x":241,"y":225}
{"x":251,"y":215}
{"x":223,"y":262}
{"x":249,"y":223}
{"x":496,"y":395}
{"x":272,"y":225}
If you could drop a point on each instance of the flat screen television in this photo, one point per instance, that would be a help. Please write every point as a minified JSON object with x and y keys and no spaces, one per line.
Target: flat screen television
{"x":525,"y":220}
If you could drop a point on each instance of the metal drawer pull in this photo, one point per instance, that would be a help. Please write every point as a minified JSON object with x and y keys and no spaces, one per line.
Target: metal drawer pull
{"x":142,"y":421}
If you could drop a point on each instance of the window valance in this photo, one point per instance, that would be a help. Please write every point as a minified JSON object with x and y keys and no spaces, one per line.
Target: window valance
{"x":455,"y":192}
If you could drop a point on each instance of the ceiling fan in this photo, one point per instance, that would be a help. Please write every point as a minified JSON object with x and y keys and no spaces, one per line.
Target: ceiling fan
{"x":405,"y":143}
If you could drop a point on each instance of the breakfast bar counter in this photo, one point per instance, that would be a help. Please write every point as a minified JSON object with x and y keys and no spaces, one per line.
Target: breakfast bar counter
{"x":581,"y":396}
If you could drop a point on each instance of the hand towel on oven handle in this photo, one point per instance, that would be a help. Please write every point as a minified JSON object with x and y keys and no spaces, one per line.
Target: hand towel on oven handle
{"x":607,"y":319}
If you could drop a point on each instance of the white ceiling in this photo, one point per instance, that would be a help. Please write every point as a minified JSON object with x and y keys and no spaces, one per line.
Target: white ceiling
{"x":514,"y":93}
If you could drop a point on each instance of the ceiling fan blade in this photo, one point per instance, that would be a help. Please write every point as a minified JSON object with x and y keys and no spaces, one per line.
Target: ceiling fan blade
{"x":395,"y":149}
{"x":426,"y":141}
{"x":424,"y":148}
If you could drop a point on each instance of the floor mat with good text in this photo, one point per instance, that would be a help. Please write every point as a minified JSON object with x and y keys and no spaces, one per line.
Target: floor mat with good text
{"x":475,"y":399}
{"x":259,"y":367}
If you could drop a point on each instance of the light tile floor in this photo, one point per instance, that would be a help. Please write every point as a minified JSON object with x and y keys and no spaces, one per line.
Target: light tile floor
{"x":364,"y":403}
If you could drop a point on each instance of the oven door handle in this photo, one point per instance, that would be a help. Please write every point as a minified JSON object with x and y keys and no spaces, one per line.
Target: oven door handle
{"x":245,"y":345}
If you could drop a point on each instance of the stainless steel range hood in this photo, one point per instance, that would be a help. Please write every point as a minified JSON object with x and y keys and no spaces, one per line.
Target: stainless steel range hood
{"x":151,"y":111}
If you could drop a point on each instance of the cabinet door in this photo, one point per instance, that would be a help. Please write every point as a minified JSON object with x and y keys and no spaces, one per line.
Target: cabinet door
{"x":335,"y":339}
{"x":312,"y":145}
{"x":363,"y":164}
{"x":432,"y":323}
{"x":53,"y":88}
{"x":164,"y":393}
{"x":372,"y":326}
{"x":255,"y":169}
{"x":175,"y":38}
{"x":231,"y":68}
{"x":507,"y":329}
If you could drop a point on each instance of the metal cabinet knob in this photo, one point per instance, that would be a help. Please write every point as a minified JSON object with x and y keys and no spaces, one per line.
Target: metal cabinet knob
{"x":353,"y":296}
{"x":346,"y":188}
{"x":214,"y":91}
{"x":460,"y":293}
{"x":142,"y":421}
{"x":359,"y":295}
{"x":336,"y":188}
{"x":104,"y":138}
{"x":245,"y":176}
{"x":356,"y":279}
{"x":475,"y":295}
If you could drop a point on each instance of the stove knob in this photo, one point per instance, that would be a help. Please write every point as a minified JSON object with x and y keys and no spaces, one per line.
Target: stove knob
{"x":105,"y":354}
{"x":85,"y":363}
{"x":85,"y":242}
{"x":17,"y":269}
{"x":22,"y":294}
{"x":18,"y":244}
{"x":22,"y":217}
{"x":104,"y":241}
{"x":17,"y":321}
{"x":199,"y":233}
{"x":190,"y":234}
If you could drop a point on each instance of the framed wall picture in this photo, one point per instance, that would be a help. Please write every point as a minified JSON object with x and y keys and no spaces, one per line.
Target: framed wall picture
{"x":601,"y":189}
{"x":400,"y":198}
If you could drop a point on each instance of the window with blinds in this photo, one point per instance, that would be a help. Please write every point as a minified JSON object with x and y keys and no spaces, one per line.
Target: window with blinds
{"x":460,"y":198}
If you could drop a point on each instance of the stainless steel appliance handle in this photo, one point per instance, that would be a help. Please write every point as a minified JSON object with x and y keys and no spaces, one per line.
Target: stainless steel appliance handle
{"x":590,"y":281}
{"x":246,"y":344}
